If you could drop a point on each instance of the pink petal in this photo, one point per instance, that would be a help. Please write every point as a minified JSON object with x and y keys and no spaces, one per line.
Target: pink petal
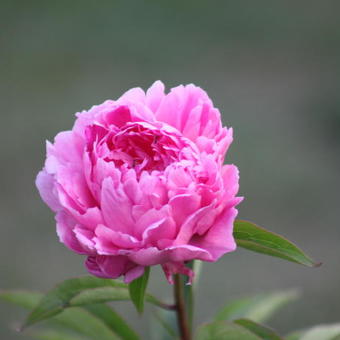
{"x":172,"y":268}
{"x":152,"y":256}
{"x":93,"y":267}
{"x":133,"y":95}
{"x":113,"y":266}
{"x":159,"y":231}
{"x":155,"y":95}
{"x":183,"y":206}
{"x":134,"y":274}
{"x":45,"y":185}
{"x":65,"y":231}
{"x":116,"y":208}
{"x":219,"y":239}
{"x":109,"y":241}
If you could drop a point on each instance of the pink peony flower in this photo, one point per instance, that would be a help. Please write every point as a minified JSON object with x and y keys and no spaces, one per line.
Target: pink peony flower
{"x":140,"y":181}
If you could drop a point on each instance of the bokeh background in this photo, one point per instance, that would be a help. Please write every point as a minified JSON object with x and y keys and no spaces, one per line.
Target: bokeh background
{"x":272,"y":67}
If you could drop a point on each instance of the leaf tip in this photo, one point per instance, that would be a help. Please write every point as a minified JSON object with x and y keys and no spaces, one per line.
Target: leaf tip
{"x":317,"y":264}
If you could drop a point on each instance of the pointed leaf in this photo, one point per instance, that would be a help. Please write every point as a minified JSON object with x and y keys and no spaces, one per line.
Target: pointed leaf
{"x":78,"y":292}
{"x":137,"y":290}
{"x":113,"y":320}
{"x":21,"y":298}
{"x":252,"y":237}
{"x":83,"y":322}
{"x":224,"y":331}
{"x":258,"y":308}
{"x":263,"y":332}
{"x":107,"y":294}
{"x":58,"y":298}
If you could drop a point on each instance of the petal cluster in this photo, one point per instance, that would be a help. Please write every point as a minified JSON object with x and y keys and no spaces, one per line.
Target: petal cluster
{"x":140,"y":181}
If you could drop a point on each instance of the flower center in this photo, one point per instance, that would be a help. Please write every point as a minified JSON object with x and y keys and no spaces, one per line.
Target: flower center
{"x":140,"y":146}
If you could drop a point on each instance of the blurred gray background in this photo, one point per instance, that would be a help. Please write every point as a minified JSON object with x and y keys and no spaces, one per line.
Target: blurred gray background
{"x":272,"y":67}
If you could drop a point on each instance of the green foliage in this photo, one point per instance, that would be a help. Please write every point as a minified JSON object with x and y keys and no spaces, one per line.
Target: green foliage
{"x":112,"y":320}
{"x":75,"y":309}
{"x":98,"y":295}
{"x":263,"y":332}
{"x":321,"y":332}
{"x":294,"y":336}
{"x":61,"y":297}
{"x":166,"y":326}
{"x":137,"y":290}
{"x":258,"y":308}
{"x":84,"y":323}
{"x":224,"y":331}
{"x":79,"y":292}
{"x":21,"y":298}
{"x":252,"y":237}
{"x":97,"y":321}
{"x":52,"y":334}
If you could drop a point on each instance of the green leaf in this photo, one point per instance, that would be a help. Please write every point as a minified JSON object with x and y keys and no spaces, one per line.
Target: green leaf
{"x":79,"y":292}
{"x":21,"y":298}
{"x":295,"y":335}
{"x":258,"y":308}
{"x":322,"y":332}
{"x":59,"y":298}
{"x":263,"y":332}
{"x":252,"y":237}
{"x":166,"y":326}
{"x":224,"y":331}
{"x":84,"y":322}
{"x":99,"y":295}
{"x":113,"y":320}
{"x":137,"y":290}
{"x":51,"y":334}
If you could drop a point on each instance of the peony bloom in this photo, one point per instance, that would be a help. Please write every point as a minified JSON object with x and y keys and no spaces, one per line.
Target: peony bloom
{"x":140,"y":181}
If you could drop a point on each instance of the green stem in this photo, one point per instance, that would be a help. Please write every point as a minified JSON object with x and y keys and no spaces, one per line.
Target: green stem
{"x":182,"y":316}
{"x":189,"y":296}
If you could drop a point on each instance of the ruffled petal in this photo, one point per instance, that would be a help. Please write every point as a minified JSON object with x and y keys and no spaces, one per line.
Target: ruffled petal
{"x":108,"y":241}
{"x":46,"y":186}
{"x":65,"y":230}
{"x":218,"y":240}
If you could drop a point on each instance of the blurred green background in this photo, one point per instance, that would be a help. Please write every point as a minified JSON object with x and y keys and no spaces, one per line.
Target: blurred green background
{"x":272,"y":67}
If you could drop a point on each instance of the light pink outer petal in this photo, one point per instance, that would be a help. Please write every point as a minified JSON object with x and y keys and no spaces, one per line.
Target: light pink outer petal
{"x":133,"y":95}
{"x":219,"y":239}
{"x":155,"y":95}
{"x":67,"y":149}
{"x":160,"y":232}
{"x":134,"y":274}
{"x":189,"y":104}
{"x":108,"y":241}
{"x":47,"y":191}
{"x":183,"y":206}
{"x":116,"y":208}
{"x":65,"y":230}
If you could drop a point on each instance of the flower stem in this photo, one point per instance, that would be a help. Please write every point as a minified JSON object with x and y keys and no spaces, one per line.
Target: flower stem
{"x":182,"y":316}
